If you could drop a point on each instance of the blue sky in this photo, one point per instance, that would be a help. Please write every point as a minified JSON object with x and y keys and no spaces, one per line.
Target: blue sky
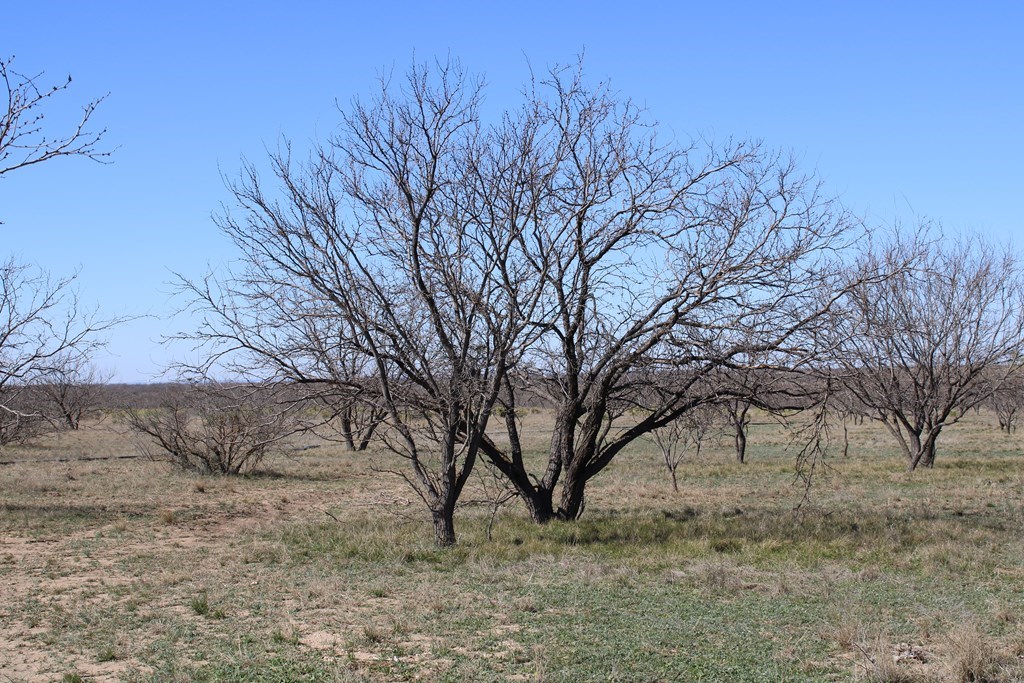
{"x":905,"y":109}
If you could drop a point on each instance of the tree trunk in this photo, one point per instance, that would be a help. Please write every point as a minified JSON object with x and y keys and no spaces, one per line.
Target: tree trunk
{"x":922,"y":452}
{"x":444,"y":526}
{"x":738,"y":413}
{"x":539,"y":504}
{"x":928,"y":459}
{"x":741,"y":443}
{"x":573,"y":488}
{"x":364,"y":443}
{"x":346,"y":431}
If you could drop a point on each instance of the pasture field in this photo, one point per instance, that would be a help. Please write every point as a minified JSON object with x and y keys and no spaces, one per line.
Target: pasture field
{"x":322,"y":568}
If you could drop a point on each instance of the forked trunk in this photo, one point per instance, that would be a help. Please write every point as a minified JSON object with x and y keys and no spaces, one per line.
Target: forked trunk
{"x":570,"y":507}
{"x":738,"y":413}
{"x":921,"y":451}
{"x":928,"y":458}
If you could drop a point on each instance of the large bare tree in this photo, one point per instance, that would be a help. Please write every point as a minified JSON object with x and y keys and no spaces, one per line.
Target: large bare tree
{"x":399,"y":241}
{"x":940,"y":336}
{"x":562,"y":250}
{"x":660,"y":264}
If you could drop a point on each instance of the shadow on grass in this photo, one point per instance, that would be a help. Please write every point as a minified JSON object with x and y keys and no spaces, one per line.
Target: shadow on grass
{"x":886,"y":537}
{"x":278,"y":475}
{"x":71,"y":512}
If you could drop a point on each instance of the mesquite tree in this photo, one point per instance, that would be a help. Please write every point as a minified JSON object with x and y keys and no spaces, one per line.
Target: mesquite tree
{"x":563,"y":250}
{"x":44,"y":330}
{"x":938,"y":337}
{"x":73,"y":392}
{"x":213,"y":428}
{"x":659,"y":264}
{"x":1007,"y":402}
{"x":686,"y":434}
{"x":398,"y":241}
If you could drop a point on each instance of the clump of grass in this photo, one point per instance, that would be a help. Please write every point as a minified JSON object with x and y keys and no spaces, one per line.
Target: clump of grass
{"x":846,"y":634}
{"x":72,"y":677}
{"x":972,"y":657}
{"x":200,"y":605}
{"x":281,"y":638}
{"x":106,"y":654}
{"x":167,"y":516}
{"x":373,"y":634}
{"x":716,"y":575}
{"x":399,"y":625}
{"x":525,"y":603}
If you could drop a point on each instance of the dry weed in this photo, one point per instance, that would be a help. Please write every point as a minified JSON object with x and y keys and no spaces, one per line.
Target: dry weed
{"x":975,"y":658}
{"x":880,"y":662}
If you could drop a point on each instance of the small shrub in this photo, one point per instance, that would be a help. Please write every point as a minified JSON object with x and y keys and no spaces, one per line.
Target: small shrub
{"x":215,"y":429}
{"x":846,"y":634}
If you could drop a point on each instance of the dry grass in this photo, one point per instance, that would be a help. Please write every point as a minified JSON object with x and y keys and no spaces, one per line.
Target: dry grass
{"x":125,"y":570}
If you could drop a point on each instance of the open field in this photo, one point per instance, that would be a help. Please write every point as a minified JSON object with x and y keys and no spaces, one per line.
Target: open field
{"x":323,"y":569}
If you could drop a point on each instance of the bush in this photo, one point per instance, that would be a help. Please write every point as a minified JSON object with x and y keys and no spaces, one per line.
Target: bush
{"x":215,"y":429}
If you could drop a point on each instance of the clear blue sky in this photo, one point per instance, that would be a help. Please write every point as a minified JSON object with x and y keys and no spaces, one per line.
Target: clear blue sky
{"x":905,"y":109}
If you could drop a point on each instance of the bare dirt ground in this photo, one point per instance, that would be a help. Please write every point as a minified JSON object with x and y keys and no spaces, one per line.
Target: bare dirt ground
{"x":92,"y":536}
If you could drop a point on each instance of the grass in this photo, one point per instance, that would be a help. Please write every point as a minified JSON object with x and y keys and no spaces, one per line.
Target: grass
{"x":124,"y":570}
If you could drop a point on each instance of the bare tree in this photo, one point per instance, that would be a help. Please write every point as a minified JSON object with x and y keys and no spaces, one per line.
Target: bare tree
{"x":398,"y":241}
{"x":937,"y":338}
{"x":659,"y":264}
{"x":214,"y":428}
{"x":43,"y":327}
{"x":1007,"y":402}
{"x":73,"y":391}
{"x":738,"y":410}
{"x":761,"y":382}
{"x":24,"y":137}
{"x":21,"y":415}
{"x":562,"y":250}
{"x":43,"y":330}
{"x":683,"y":435}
